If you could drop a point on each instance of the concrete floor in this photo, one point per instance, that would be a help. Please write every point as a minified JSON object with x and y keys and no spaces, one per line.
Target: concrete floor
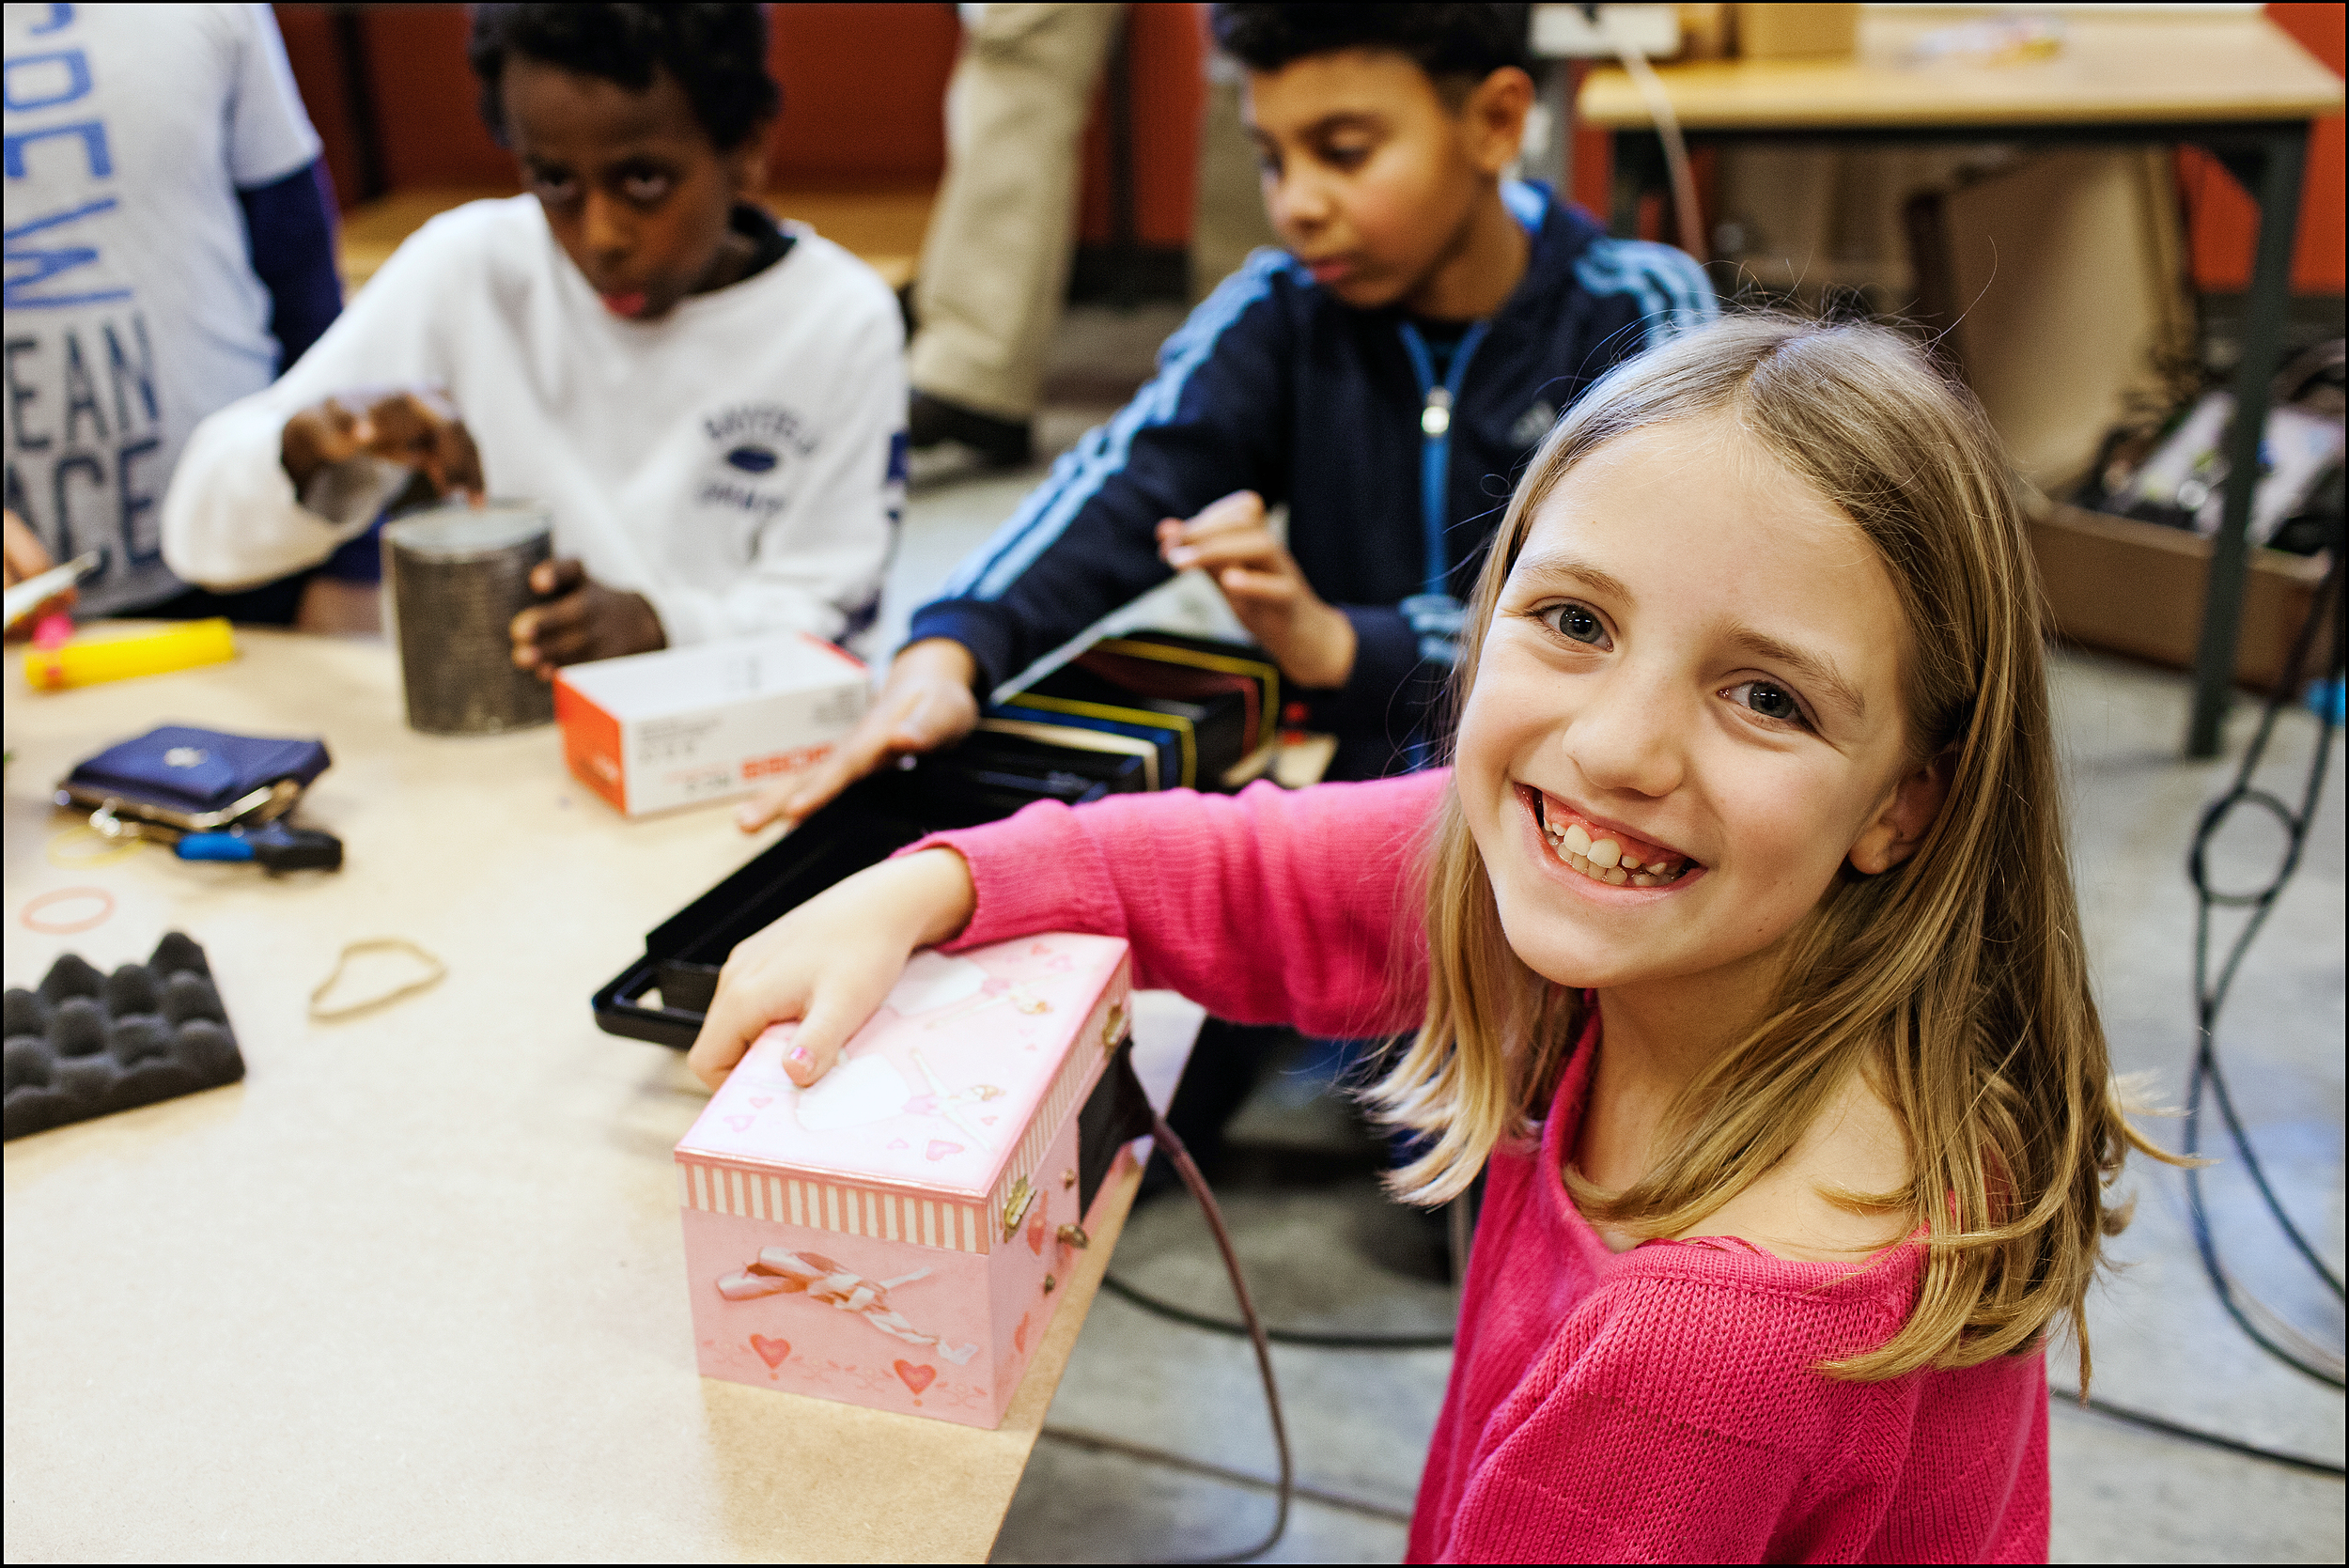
{"x":1158,"y":1446}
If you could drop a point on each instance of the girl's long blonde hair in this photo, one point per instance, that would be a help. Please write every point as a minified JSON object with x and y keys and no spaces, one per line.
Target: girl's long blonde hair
{"x":1956,"y":981}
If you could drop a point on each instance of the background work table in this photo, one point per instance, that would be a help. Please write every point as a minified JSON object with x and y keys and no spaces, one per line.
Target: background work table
{"x":414,"y":1288}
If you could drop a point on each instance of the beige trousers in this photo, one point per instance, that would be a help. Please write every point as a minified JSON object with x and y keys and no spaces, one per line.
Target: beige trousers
{"x":995,"y":262}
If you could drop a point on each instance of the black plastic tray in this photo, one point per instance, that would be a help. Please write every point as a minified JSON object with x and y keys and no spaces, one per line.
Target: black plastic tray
{"x":987,"y":778}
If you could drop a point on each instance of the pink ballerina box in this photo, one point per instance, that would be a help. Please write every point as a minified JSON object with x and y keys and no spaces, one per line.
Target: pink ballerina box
{"x":895,"y":1235}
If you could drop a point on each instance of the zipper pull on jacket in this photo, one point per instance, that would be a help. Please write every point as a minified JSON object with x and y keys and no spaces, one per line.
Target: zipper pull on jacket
{"x":1434,"y":415}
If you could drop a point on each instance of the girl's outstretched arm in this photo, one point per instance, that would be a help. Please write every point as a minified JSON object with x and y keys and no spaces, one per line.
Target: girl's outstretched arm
{"x":1269,"y":906}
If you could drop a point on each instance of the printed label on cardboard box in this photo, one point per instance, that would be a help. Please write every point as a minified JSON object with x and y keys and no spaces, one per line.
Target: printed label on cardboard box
{"x":684,"y":725}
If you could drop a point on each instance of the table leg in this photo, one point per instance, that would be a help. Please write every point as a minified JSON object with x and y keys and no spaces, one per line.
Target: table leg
{"x":1639,"y":169}
{"x":1556,"y":163}
{"x":2280,"y":156}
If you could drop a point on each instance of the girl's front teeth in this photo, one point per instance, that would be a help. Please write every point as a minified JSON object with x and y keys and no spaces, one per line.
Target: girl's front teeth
{"x":1604,"y":861}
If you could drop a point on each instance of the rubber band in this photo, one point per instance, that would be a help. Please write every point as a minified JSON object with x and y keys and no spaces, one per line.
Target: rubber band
{"x":374,"y":944}
{"x":114,"y":848}
{"x":67,"y":895}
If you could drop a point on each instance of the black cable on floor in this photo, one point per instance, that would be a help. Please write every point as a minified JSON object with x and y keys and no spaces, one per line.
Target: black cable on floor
{"x":1254,"y":1328}
{"x":1306,"y":1337}
{"x":2196,"y":1435}
{"x":1144,"y":1453}
{"x":2209,"y":998}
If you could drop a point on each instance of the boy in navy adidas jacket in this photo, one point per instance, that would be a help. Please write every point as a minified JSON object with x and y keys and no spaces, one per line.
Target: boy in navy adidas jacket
{"x":1385,"y":375}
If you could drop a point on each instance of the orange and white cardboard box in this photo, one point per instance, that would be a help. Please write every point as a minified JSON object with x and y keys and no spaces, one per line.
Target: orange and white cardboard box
{"x":653,"y":730}
{"x":896,"y":1236}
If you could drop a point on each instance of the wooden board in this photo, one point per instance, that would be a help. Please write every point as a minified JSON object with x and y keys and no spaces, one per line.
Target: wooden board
{"x":2137,"y":588}
{"x":416,"y":1288}
{"x":882,"y":227}
{"x":2066,"y":302}
{"x":2107,"y":72}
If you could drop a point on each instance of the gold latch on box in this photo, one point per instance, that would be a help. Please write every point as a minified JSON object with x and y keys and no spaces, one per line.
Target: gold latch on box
{"x":1074,"y":1235}
{"x":1016,"y":1204}
{"x":1114,"y":1029}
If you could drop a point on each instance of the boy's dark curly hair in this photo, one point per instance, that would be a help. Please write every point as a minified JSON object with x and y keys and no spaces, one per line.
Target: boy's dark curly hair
{"x":1457,"y":46}
{"x":716,"y":53}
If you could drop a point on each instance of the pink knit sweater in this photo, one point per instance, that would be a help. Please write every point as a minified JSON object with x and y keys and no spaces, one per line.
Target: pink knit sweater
{"x":1652,"y":1405}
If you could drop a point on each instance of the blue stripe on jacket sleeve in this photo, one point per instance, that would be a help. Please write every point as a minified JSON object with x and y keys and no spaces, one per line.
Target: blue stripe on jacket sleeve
{"x":1080,"y":472}
{"x":1673,"y":291}
{"x":1527,"y":202}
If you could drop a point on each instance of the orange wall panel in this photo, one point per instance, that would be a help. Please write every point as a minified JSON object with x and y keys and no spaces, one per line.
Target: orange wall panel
{"x":864,"y":93}
{"x":427,"y":105}
{"x":1592,"y":170}
{"x":2224,"y":219}
{"x":309,"y":36}
{"x":1167,"y":48}
{"x":843,"y":123}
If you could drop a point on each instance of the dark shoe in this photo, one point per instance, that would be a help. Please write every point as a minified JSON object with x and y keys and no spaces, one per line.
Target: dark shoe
{"x":1003,"y":442}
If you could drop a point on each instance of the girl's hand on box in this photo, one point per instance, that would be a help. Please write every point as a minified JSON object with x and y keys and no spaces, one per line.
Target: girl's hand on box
{"x":415,"y":425}
{"x":581,"y":620}
{"x":828,"y":964}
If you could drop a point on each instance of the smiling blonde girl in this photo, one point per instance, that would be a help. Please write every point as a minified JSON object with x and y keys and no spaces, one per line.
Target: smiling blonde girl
{"x":1741,"y":947}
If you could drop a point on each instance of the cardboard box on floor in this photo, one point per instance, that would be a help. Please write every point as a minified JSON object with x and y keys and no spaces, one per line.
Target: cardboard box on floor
{"x":2137,"y":588}
{"x":1796,"y":32}
{"x":2061,"y":285}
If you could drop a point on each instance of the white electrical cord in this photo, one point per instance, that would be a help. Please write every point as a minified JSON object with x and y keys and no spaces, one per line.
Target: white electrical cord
{"x":1659,"y":109}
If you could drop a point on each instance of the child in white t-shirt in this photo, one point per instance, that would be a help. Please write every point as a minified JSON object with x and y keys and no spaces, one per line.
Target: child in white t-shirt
{"x":712,"y":407}
{"x":170,"y":247}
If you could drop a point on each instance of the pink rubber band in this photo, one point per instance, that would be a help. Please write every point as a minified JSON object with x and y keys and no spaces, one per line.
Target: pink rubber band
{"x":33,"y":910}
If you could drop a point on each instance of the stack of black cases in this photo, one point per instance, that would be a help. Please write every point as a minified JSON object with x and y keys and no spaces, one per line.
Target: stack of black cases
{"x":1148,"y":710}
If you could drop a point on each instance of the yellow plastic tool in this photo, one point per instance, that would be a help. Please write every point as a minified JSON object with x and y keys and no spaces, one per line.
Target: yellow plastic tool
{"x":88,"y":663}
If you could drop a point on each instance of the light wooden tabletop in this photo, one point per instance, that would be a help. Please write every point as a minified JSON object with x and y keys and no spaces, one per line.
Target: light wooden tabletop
{"x":414,"y":1288}
{"x":884,"y":228}
{"x":2118,"y":71}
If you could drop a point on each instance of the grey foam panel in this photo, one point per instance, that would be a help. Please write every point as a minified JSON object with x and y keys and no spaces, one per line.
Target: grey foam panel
{"x":87,"y":1043}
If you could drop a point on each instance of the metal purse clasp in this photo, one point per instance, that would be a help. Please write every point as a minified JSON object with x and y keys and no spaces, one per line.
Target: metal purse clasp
{"x":1015,"y":1205}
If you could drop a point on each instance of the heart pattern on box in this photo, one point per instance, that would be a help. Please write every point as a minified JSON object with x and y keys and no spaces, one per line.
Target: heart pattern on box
{"x":915,"y":1377}
{"x":1036,"y":1231}
{"x":770,"y":1351}
{"x":740,"y":1124}
{"x":940,"y":1149}
{"x":760,"y":1102}
{"x":1019,"y":1335}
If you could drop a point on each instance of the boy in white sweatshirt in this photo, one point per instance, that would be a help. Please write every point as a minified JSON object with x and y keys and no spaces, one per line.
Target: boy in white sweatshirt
{"x":712,"y":407}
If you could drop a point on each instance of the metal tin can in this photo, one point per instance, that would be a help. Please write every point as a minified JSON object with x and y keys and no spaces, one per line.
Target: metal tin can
{"x":457,"y":576}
